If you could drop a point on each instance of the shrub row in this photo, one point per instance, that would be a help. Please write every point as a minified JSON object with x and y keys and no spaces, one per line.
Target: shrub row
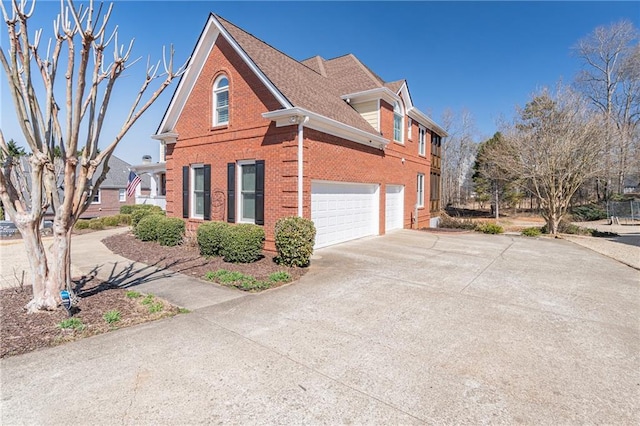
{"x":98,"y":223}
{"x":168,"y":231}
{"x":240,"y":243}
{"x":588,"y":213}
{"x":243,"y":243}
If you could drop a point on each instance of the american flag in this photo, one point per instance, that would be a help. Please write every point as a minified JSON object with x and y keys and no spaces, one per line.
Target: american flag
{"x":134,"y":181}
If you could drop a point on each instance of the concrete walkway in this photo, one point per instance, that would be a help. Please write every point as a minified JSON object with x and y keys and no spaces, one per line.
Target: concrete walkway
{"x":409,"y":328}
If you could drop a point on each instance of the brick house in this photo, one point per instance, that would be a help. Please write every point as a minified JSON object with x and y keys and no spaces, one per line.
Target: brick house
{"x":113,"y":190}
{"x":252,"y":135}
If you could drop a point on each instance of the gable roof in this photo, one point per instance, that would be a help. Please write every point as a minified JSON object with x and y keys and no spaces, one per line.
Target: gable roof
{"x":312,"y":88}
{"x":118,"y":174}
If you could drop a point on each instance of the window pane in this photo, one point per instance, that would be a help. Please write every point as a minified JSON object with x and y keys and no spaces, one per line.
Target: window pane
{"x":222,"y":99}
{"x":222,"y":83}
{"x":199,"y":200}
{"x":397,"y":122}
{"x":249,"y":177}
{"x":198,"y":184}
{"x":223,"y":115}
{"x":248,"y":206}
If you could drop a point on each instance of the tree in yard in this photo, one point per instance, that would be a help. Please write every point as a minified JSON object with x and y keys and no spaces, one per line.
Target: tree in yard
{"x":458,"y":155}
{"x":551,"y":149}
{"x":65,"y":113}
{"x":610,"y":78}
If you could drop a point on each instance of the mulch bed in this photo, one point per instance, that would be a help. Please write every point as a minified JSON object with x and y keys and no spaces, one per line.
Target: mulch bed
{"x":186,"y":258}
{"x":21,"y":332}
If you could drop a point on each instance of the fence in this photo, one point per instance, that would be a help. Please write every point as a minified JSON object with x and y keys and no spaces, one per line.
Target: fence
{"x":627,"y":211}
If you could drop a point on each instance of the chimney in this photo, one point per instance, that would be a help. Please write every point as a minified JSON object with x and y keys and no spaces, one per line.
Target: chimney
{"x":146,"y":159}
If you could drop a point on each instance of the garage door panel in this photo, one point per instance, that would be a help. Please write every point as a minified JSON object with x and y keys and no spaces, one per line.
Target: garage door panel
{"x":394,"y":207}
{"x":343,"y":212}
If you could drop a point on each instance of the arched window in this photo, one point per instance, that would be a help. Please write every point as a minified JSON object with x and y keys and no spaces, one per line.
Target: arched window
{"x":397,"y":122}
{"x":221,"y":101}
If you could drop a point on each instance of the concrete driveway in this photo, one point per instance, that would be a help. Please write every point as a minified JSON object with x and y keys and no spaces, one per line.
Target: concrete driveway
{"x":409,"y":328}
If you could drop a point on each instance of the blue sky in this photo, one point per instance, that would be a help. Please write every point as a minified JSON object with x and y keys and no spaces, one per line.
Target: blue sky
{"x":486,"y":57}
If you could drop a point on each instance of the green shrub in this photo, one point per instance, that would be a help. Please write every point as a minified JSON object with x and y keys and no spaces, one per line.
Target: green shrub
{"x":449,"y":222}
{"x":82,"y":224}
{"x":71,"y":323}
{"x":131,"y":294}
{"x":147,"y":229}
{"x":280,"y":277}
{"x":112,"y":317}
{"x":588,"y":213}
{"x":242,"y":243}
{"x":531,"y":232}
{"x":124,"y":219}
{"x":170,"y":231}
{"x":238,"y":279}
{"x":111,"y":220}
{"x":139,"y":213}
{"x":126,"y":209}
{"x":294,"y":237}
{"x":210,"y":236}
{"x":565,"y":227}
{"x":489,"y":228}
{"x":96,"y":224}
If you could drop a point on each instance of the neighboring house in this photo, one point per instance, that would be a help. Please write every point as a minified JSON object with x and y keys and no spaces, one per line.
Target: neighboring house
{"x":252,"y":135}
{"x":155,"y":174}
{"x":113,"y":190}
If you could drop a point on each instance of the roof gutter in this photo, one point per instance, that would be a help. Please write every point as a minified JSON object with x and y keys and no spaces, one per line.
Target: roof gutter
{"x":419,"y":116}
{"x":290,"y":116}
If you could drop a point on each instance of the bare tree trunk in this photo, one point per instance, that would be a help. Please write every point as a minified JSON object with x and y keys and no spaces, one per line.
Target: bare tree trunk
{"x":45,"y":296}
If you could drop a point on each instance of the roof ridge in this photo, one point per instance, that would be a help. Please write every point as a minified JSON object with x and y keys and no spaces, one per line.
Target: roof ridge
{"x":261,"y":41}
{"x":319,"y":61}
{"x":375,"y":77}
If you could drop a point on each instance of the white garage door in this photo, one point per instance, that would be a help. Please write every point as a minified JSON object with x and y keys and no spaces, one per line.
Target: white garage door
{"x":344,"y":211}
{"x":394,"y":207}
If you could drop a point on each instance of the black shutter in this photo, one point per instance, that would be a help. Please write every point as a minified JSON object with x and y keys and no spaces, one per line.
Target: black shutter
{"x":231,"y":192}
{"x":185,"y":191}
{"x":207,"y":192}
{"x":260,"y":192}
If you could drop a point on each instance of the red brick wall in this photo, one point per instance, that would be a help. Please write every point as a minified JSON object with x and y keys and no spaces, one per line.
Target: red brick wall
{"x":109,"y":204}
{"x":249,"y":136}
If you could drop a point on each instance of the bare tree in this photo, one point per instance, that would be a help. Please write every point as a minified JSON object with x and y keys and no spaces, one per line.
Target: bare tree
{"x":458,"y":155}
{"x":78,"y":51}
{"x":552,"y":147}
{"x":611,"y":80}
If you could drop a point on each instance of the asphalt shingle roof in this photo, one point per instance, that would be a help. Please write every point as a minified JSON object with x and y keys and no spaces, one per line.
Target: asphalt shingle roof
{"x":303,"y":83}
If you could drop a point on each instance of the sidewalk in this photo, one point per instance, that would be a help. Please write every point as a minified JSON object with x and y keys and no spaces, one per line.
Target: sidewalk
{"x":90,"y":257}
{"x":624,"y":248}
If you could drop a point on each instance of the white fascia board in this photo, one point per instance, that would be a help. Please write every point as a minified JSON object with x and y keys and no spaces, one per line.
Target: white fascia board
{"x":167,"y":137}
{"x":406,"y":96}
{"x":263,"y":78}
{"x":288,"y":117}
{"x":423,"y":119}
{"x":150,"y":168}
{"x":188,"y":79}
{"x":372,"y":94}
{"x":205,"y":44}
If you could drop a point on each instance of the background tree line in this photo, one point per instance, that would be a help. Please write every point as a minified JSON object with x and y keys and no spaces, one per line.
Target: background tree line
{"x":576,"y":143}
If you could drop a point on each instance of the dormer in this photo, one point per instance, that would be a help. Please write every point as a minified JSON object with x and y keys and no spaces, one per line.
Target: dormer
{"x":367,"y":103}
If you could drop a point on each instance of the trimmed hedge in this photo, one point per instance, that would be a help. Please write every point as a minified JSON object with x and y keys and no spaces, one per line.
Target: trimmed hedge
{"x":210,"y":237}
{"x":147,"y":228}
{"x":127,"y":209}
{"x":82,"y":224}
{"x":532,"y":232}
{"x":111,"y":220}
{"x":96,"y":224}
{"x":124,"y":219}
{"x":294,"y":237}
{"x":170,"y":231}
{"x":144,"y":210}
{"x":242,"y":243}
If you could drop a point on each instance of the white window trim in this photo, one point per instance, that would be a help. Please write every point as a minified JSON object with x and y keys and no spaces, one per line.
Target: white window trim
{"x":422,"y":141}
{"x":216,"y":91}
{"x":192,"y":187}
{"x":122,"y":195}
{"x":409,"y":125}
{"x":420,"y":194}
{"x":239,"y":165}
{"x":99,"y":195}
{"x":402,"y":131}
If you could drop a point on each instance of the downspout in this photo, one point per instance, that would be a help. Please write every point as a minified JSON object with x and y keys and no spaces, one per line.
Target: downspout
{"x":303,"y":121}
